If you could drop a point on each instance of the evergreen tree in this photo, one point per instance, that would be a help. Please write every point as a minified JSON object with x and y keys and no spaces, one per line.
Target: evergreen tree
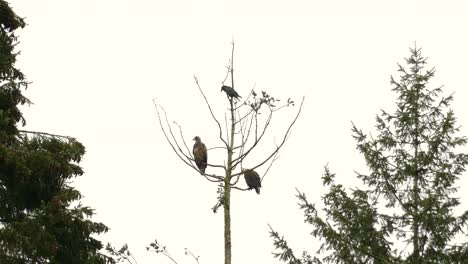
{"x":406,"y":212}
{"x":37,"y":222}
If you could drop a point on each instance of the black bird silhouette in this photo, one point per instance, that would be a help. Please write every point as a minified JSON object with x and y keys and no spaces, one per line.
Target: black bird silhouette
{"x":252,"y":179}
{"x":230,"y":92}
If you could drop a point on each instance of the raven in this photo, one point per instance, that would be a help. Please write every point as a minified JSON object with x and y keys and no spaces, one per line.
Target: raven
{"x":230,"y":91}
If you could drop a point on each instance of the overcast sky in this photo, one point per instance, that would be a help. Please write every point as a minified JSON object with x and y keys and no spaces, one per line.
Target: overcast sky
{"x":95,"y":67}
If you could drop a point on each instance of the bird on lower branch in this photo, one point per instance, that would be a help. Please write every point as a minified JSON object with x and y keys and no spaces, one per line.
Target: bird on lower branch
{"x":252,"y":179}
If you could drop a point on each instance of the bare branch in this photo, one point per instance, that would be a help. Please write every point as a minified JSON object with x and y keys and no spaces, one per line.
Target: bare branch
{"x":212,"y":177}
{"x":166,"y":135}
{"x":242,"y":118}
{"x":183,"y":140}
{"x":131,"y":255}
{"x":257,"y":138}
{"x":227,"y":72}
{"x":211,"y":111}
{"x":190,"y":153}
{"x":278,"y":147}
{"x":245,"y":136}
{"x":232,"y":66}
{"x":178,"y":151}
{"x":188,"y":252}
{"x":174,"y":139}
{"x":240,"y":189}
{"x":256,"y":127}
{"x":213,"y":148}
{"x":236,"y":180}
{"x":237,"y":176}
{"x":275,"y":157}
{"x":227,"y":130}
{"x":44,"y":134}
{"x":244,"y":141}
{"x":246,"y":99}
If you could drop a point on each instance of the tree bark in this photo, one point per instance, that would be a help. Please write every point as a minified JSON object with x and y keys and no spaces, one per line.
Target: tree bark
{"x":227,"y":221}
{"x":227,"y":191}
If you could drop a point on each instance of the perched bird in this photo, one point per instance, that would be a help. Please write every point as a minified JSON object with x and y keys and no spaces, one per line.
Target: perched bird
{"x":230,"y":91}
{"x":252,"y":179}
{"x":200,"y":154}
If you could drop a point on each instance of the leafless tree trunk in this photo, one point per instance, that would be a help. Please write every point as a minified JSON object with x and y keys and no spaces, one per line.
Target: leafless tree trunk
{"x":243,"y":134}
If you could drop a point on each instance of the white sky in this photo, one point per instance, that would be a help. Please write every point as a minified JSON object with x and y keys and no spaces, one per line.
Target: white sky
{"x":96,"y":65}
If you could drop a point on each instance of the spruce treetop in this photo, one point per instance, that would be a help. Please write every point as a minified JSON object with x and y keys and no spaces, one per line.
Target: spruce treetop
{"x":413,"y":164}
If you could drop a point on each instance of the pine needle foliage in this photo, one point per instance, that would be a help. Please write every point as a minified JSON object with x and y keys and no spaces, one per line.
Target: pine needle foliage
{"x":41,"y":219}
{"x":405,"y":213}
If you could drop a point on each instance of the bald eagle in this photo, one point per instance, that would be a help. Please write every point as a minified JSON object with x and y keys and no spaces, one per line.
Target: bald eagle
{"x":200,"y":154}
{"x":252,"y":179}
{"x":230,"y":91}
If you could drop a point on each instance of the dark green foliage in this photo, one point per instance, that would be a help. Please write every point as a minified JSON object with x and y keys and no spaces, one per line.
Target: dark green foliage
{"x":11,"y":79}
{"x":35,"y":170}
{"x":38,"y":223}
{"x":405,"y":215}
{"x":54,"y":232}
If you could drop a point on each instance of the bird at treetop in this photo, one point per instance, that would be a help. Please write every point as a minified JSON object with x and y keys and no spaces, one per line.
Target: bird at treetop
{"x":230,"y":92}
{"x":252,"y":179}
{"x":200,"y":154}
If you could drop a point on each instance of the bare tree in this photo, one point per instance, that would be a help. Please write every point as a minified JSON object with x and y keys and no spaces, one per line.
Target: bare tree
{"x":245,"y":125}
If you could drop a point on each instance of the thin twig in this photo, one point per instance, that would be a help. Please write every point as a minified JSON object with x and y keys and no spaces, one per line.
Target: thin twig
{"x":190,"y":158}
{"x":227,"y":129}
{"x":131,"y":255}
{"x":188,"y":252}
{"x":173,"y":137}
{"x":282,"y":142}
{"x":246,"y":115}
{"x":232,"y":65}
{"x":264,"y":174}
{"x":271,"y":164}
{"x":217,"y":148}
{"x":216,"y":178}
{"x":211,"y":111}
{"x":257,"y":138}
{"x":183,"y":140}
